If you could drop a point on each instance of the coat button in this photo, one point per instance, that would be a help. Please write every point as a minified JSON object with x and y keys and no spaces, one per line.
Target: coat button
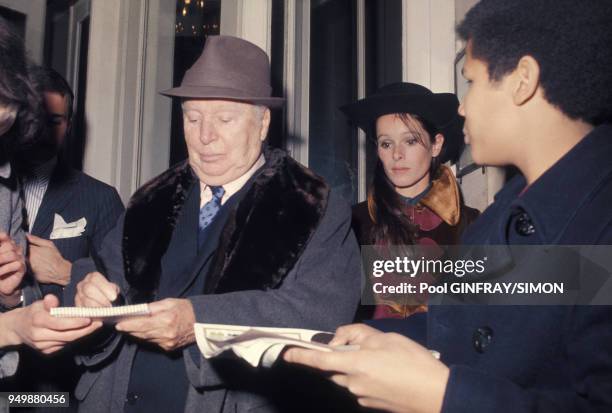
{"x":523,"y":224}
{"x":131,"y":398}
{"x":482,"y":338}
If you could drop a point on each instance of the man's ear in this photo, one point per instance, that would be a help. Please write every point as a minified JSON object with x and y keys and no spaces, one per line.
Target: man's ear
{"x":527,"y":76}
{"x":265,"y":125}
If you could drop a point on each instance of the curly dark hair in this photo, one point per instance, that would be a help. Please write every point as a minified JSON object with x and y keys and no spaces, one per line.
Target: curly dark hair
{"x":17,"y":89}
{"x":571,"y":41}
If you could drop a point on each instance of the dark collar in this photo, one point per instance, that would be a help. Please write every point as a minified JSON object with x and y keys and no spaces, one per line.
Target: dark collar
{"x":261,"y":240}
{"x":554,"y":198}
{"x":415,"y":200}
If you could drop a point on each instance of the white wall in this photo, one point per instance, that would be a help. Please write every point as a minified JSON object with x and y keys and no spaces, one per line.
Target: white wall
{"x":428,"y":43}
{"x":130,"y":60}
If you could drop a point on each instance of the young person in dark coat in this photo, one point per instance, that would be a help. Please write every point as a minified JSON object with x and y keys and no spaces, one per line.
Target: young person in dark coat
{"x":414,"y":198}
{"x":539,"y":98}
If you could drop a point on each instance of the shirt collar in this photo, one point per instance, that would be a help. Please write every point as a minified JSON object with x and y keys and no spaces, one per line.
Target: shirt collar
{"x":415,"y":200}
{"x":554,"y":198}
{"x":234,"y":186}
{"x":5,"y":170}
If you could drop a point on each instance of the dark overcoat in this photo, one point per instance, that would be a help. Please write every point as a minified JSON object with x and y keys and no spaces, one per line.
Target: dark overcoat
{"x":536,"y":358}
{"x":284,"y":256}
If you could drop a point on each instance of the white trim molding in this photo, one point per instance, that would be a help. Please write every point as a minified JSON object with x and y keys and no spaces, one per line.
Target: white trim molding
{"x":361,"y":91}
{"x":428,"y":43}
{"x":297,"y":77}
{"x":128,"y":121}
{"x":248,"y":19}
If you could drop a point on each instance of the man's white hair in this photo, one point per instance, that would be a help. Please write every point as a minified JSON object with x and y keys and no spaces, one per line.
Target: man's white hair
{"x":259,"y":110}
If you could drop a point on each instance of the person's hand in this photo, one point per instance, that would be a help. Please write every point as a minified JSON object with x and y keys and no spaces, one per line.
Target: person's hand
{"x":96,"y":291}
{"x":12,"y":267}
{"x":170,"y":324}
{"x":35,"y":327}
{"x":388,"y":372}
{"x":352,"y":334}
{"x":47,"y":263}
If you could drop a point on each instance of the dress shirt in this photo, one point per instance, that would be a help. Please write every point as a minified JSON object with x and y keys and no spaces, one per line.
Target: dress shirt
{"x":231,"y":187}
{"x":34,"y":186}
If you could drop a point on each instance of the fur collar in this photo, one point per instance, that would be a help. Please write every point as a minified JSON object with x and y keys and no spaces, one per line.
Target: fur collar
{"x":444,"y":198}
{"x":260,"y":242}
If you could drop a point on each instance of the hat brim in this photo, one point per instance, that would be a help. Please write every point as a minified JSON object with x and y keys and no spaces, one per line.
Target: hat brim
{"x":440,"y":109}
{"x":437,"y":108}
{"x":202,"y":92}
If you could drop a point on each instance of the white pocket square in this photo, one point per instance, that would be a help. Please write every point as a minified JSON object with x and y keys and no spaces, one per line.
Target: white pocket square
{"x":62,"y":229}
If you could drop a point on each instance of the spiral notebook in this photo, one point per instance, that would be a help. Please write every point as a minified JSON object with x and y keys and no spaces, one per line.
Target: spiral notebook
{"x":102,"y":313}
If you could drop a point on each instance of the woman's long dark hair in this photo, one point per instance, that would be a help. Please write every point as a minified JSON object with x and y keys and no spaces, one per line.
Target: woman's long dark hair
{"x":385,"y":206}
{"x":17,"y":89}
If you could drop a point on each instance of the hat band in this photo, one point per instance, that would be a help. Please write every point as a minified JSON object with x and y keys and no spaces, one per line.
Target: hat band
{"x":209,"y":78}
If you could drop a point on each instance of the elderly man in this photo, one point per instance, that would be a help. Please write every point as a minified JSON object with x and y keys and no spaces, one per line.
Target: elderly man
{"x":236,"y":235}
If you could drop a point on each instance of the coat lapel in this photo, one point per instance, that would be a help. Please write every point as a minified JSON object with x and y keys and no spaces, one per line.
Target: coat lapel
{"x":61,"y":187}
{"x":254,"y":246}
{"x":149,"y":222}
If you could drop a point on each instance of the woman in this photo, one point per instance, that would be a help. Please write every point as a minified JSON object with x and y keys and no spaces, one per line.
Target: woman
{"x":414,"y":198}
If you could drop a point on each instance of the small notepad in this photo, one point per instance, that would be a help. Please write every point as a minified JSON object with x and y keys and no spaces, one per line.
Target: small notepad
{"x":101,"y":312}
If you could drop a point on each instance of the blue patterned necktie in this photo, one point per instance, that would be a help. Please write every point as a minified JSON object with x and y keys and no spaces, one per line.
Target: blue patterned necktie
{"x":210,"y":209}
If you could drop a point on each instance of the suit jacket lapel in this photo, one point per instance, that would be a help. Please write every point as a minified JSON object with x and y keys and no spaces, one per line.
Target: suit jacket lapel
{"x":59,"y":192}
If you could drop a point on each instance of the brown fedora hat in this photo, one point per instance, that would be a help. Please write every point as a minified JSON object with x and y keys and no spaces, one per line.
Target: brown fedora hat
{"x":229,"y":68}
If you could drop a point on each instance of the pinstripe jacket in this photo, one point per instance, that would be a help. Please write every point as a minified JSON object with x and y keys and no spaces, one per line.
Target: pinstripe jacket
{"x":73,"y":196}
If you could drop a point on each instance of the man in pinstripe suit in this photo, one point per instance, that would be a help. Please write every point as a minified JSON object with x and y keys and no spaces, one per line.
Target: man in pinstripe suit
{"x":69,"y":212}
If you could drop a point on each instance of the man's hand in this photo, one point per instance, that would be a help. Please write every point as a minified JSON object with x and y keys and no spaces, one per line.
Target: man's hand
{"x":388,"y":372}
{"x":170,"y":324}
{"x":47,"y":263}
{"x":12,"y":268}
{"x":96,"y":291}
{"x":35,"y":327}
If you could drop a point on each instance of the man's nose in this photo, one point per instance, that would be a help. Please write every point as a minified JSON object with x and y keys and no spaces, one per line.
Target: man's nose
{"x":461,"y":109}
{"x":207,"y":132}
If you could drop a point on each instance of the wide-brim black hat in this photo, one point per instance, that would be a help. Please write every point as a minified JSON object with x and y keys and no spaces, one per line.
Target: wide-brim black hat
{"x":439,"y":109}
